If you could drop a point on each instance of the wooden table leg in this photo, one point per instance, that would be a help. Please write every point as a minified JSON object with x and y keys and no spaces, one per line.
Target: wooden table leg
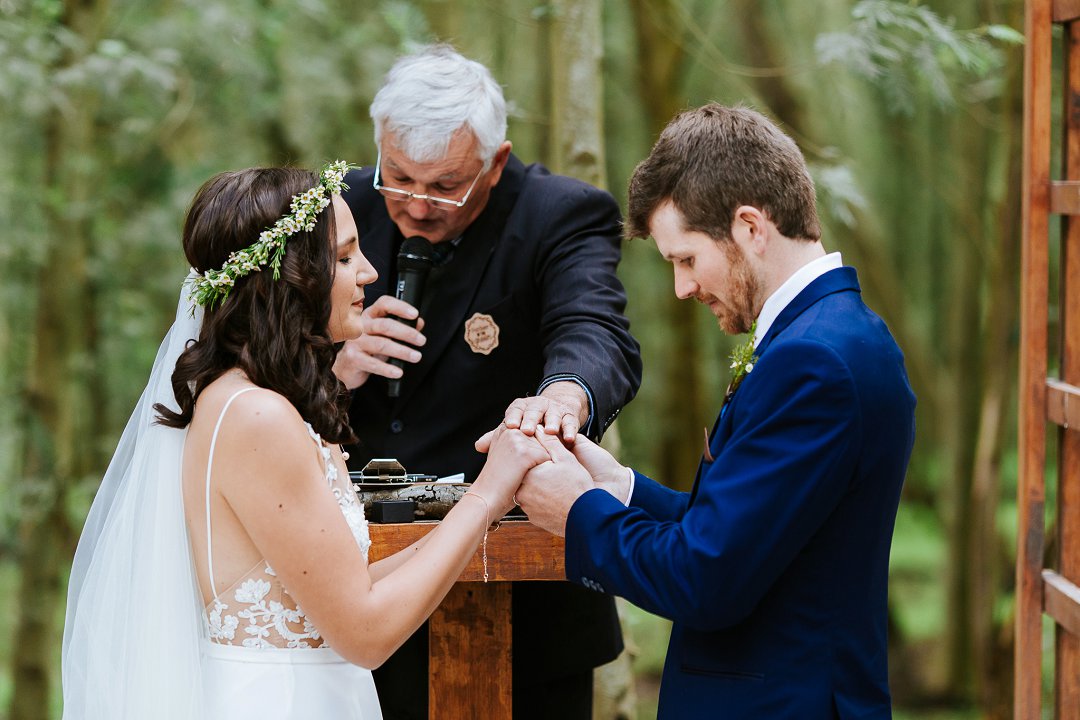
{"x":469,"y":653}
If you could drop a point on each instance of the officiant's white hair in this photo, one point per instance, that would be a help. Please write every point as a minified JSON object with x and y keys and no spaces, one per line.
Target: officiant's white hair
{"x":431,"y":94}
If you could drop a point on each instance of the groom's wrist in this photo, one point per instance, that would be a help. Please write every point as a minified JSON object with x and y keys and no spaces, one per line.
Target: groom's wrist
{"x":619,"y":483}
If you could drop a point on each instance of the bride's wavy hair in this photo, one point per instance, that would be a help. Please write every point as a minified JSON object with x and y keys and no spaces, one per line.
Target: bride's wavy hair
{"x":276,"y":331}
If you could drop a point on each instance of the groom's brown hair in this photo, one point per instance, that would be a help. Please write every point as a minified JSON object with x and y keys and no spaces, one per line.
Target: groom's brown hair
{"x":710,"y":160}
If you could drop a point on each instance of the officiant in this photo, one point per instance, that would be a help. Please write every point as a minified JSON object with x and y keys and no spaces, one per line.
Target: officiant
{"x":520,"y":319}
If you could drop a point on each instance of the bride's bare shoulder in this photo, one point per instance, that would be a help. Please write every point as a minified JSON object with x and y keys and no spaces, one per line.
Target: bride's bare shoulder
{"x":257,"y":422}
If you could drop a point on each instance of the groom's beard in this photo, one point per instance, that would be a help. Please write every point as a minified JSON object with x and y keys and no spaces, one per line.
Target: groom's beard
{"x":738,"y":308}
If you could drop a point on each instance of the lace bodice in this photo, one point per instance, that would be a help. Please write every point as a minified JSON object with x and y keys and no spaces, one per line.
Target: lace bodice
{"x":257,"y":611}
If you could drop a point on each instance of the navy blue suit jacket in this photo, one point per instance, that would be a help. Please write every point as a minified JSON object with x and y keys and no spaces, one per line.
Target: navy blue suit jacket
{"x":774,"y":568}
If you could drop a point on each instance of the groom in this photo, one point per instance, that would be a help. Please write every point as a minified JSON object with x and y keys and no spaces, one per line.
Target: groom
{"x":774,"y":567}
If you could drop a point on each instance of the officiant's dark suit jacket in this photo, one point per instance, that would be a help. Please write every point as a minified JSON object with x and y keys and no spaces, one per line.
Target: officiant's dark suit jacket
{"x":540,"y":261}
{"x":774,"y":568}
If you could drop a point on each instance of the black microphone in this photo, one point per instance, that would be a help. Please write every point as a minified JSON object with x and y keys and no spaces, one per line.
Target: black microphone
{"x":414,"y":260}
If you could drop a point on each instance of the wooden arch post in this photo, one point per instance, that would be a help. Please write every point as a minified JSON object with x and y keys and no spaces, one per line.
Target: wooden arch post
{"x":1044,"y":399}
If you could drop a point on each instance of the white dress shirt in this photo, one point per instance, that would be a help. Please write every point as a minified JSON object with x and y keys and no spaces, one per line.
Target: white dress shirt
{"x":787,"y":292}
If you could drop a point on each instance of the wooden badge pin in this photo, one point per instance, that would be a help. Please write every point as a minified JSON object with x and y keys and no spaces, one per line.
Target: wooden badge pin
{"x":481,"y":333}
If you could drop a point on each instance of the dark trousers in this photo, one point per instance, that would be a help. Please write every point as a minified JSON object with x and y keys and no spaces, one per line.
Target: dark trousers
{"x":403,"y":688}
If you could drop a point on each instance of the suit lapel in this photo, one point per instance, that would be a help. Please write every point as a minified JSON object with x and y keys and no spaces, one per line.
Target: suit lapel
{"x":459,"y":283}
{"x":834,"y":281}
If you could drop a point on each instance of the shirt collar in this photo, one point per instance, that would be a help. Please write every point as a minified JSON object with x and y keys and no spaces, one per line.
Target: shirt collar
{"x":791,"y":288}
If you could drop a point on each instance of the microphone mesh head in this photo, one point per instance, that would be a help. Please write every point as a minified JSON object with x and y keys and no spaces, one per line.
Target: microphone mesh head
{"x":416,"y":254}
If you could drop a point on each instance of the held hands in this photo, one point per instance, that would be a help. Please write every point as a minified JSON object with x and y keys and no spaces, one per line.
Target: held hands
{"x":551,"y":488}
{"x":512,"y":453}
{"x":384,"y":336}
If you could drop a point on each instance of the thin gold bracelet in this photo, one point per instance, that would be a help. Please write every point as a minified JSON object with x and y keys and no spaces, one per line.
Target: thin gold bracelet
{"x":487,"y":526}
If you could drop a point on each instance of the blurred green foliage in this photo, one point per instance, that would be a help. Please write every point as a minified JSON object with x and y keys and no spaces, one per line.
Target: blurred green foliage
{"x":113,"y":113}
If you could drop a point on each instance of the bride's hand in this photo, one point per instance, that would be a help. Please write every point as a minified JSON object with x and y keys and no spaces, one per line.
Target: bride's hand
{"x":512,"y":453}
{"x":551,"y":488}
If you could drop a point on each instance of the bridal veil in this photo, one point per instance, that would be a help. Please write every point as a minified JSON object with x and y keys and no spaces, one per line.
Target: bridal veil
{"x":134,"y":617}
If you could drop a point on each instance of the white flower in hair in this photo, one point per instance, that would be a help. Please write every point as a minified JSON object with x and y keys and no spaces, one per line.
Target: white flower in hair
{"x":213,"y":286}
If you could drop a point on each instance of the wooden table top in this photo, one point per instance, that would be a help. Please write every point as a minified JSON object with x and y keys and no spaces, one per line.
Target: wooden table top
{"x":516,"y":550}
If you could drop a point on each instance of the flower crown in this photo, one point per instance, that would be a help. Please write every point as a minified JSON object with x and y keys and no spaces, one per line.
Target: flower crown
{"x":213,"y":286}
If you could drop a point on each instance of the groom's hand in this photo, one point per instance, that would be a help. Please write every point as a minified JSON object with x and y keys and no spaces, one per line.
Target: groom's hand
{"x":605,"y":470}
{"x":551,"y":488}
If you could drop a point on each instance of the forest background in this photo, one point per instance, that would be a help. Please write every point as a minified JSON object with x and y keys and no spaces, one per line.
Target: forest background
{"x":113,"y":112}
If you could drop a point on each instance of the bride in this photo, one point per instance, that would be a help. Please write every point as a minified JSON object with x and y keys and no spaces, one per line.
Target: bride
{"x":222,"y":571}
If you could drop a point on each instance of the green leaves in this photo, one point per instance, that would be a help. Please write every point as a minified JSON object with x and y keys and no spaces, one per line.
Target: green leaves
{"x":907,"y":50}
{"x":742,"y":360}
{"x":212,"y":288}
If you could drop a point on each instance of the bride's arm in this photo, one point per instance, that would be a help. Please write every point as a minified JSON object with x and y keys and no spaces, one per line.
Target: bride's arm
{"x":381,"y":568}
{"x":273,"y":479}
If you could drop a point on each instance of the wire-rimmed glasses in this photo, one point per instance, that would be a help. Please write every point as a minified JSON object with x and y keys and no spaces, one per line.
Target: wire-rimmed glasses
{"x":399,"y":195}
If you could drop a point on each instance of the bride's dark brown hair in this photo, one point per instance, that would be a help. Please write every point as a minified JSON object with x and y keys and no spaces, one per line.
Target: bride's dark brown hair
{"x":276,"y":331}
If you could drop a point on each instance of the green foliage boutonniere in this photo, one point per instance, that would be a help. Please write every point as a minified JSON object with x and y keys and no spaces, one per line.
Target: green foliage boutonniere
{"x":742,"y":362}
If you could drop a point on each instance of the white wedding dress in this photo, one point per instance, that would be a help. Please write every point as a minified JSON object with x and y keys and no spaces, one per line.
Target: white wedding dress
{"x":262,"y":657}
{"x":138,"y":641}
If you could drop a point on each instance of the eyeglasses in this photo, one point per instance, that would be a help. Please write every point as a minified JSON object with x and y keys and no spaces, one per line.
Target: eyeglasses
{"x":398,"y":195}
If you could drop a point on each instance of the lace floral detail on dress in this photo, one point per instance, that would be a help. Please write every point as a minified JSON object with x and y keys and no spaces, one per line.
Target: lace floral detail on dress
{"x":268,"y":618}
{"x":222,"y":628}
{"x":350,"y":506}
{"x":264,"y":616}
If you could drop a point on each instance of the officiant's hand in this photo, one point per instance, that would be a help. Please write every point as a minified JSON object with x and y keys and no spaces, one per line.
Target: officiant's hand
{"x":605,"y":470}
{"x":552,"y":487}
{"x":559,"y":410}
{"x":384,"y":337}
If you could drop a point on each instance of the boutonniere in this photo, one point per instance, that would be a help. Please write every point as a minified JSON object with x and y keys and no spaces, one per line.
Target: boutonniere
{"x":742,"y":363}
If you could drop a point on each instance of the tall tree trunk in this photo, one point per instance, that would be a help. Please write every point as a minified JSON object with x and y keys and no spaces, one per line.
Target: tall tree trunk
{"x":962,"y":384}
{"x":990,"y":568}
{"x":61,"y":403}
{"x":763,"y":52}
{"x":577,"y":136}
{"x":46,"y":551}
{"x":663,"y":57}
{"x":577,"y":111}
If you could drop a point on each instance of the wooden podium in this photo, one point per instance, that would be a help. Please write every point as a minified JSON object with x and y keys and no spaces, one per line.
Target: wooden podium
{"x":469,"y":641}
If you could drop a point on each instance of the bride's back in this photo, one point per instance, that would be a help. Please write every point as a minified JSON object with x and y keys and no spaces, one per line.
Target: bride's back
{"x":246,"y":602}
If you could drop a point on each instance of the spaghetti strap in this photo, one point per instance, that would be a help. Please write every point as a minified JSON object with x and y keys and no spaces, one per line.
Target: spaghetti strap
{"x":209,"y":465}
